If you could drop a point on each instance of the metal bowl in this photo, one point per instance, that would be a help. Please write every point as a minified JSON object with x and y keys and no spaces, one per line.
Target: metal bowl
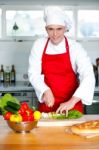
{"x":22,"y":127}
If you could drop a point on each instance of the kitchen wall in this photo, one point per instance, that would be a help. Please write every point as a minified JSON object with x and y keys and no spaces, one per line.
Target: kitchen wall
{"x":92,"y":48}
{"x":17,"y":53}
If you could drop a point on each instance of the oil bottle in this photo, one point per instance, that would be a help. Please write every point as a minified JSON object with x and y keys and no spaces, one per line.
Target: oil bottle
{"x":13,"y":74}
{"x":2,"y":74}
{"x":7,"y":75}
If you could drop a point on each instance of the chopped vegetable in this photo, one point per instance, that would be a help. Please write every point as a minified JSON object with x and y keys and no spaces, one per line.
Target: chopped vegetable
{"x":72,"y":114}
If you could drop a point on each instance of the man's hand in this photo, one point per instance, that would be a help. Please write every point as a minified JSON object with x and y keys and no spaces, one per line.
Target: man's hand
{"x":64,"y":107}
{"x":48,"y":98}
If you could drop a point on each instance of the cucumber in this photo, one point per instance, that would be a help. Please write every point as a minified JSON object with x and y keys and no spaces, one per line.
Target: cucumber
{"x":13,"y":105}
{"x":9,"y":109}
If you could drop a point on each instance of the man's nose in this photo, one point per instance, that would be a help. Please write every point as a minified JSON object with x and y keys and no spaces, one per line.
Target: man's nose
{"x":54,"y":32}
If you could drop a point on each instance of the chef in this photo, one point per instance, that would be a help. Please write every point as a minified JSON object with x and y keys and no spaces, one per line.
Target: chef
{"x":59,"y":68}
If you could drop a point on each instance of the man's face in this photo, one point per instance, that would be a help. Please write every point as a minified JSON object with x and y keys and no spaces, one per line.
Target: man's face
{"x":55,"y":33}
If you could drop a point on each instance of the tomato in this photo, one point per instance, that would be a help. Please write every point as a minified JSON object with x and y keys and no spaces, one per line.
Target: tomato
{"x":28,"y":117}
{"x":26,"y":112}
{"x":21,"y":111}
{"x":31,"y":118}
{"x":7,"y":115}
{"x":24,"y":117}
{"x":24,"y":106}
{"x":16,"y":118}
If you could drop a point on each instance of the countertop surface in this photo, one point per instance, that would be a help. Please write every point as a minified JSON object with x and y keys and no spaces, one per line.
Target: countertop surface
{"x":18,"y":86}
{"x":46,"y":138}
{"x":22,"y":86}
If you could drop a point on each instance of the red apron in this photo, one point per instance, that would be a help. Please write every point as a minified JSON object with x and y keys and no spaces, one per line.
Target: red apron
{"x":60,"y":77}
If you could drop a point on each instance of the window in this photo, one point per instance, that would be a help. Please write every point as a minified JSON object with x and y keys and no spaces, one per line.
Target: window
{"x":24,"y":23}
{"x":27,"y":21}
{"x":88,"y":23}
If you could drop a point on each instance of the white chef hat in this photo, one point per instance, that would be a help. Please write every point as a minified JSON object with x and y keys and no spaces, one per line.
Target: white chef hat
{"x":55,"y":16}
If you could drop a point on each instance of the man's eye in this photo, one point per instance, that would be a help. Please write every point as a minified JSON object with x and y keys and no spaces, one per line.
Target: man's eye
{"x":59,"y":29}
{"x":50,"y":29}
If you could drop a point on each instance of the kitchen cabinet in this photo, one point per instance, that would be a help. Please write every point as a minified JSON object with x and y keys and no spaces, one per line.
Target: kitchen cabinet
{"x":22,"y":96}
{"x":94,"y":108}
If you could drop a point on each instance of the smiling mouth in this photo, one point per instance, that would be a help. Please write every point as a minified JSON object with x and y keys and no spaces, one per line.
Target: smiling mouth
{"x":55,"y":38}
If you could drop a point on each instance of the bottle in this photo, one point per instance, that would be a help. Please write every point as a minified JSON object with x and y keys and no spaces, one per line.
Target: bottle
{"x":7,"y":75}
{"x":13,"y":74}
{"x":2,"y":74}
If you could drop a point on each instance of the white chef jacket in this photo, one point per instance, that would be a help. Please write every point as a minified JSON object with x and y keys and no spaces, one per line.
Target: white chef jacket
{"x":80,"y":61}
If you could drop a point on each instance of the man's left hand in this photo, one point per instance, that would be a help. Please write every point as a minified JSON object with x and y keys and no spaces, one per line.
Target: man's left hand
{"x":64,"y":107}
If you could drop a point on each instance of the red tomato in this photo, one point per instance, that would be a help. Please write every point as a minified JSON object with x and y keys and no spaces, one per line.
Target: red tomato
{"x":30,"y":118}
{"x":7,"y":115}
{"x":24,"y":117}
{"x":21,"y":111}
{"x":24,"y":105}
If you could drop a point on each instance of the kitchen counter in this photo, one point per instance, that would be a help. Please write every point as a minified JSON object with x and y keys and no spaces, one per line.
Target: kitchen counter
{"x":18,"y":86}
{"x":22,"y":85}
{"x":46,"y":138}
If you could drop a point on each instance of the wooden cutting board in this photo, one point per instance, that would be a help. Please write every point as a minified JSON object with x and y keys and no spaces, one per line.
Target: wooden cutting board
{"x":66,"y":122}
{"x":60,"y":122}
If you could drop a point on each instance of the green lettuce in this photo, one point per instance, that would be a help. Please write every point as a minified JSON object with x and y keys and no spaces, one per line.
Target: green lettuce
{"x":72,"y":114}
{"x":4,"y":99}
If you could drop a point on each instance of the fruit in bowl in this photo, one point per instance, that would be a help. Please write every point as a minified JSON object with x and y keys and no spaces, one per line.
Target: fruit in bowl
{"x":20,"y":117}
{"x":24,"y":119}
{"x":23,"y":124}
{"x":22,"y":127}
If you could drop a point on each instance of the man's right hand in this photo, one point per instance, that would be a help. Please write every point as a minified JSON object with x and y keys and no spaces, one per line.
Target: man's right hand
{"x":48,"y":98}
